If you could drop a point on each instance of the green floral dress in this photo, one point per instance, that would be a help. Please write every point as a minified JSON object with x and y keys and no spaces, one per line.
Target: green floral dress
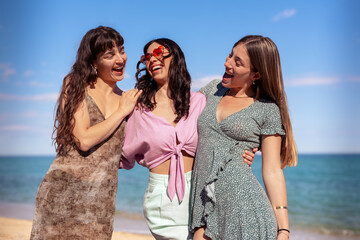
{"x":227,"y":199}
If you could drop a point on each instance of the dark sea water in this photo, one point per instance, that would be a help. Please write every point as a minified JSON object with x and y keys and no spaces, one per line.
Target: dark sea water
{"x":323,"y":190}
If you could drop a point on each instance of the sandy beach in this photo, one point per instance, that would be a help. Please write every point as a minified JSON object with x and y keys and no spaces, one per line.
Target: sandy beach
{"x":16,"y":229}
{"x":15,"y":224}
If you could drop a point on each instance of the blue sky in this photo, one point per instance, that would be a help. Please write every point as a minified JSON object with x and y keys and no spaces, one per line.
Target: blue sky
{"x":319,"y":43}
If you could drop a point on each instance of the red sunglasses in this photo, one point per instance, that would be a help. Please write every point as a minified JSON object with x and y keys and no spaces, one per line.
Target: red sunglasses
{"x":157,"y":52}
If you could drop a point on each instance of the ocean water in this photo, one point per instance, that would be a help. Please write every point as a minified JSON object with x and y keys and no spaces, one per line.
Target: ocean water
{"x":323,"y":190}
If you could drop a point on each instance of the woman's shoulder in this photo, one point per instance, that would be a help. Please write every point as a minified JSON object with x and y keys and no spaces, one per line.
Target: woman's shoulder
{"x":267,"y":103}
{"x":212,"y":87}
{"x":268,"y":109}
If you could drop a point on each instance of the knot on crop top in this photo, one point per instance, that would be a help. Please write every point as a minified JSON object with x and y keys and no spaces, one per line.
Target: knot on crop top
{"x":176,"y":176}
{"x":156,"y":140}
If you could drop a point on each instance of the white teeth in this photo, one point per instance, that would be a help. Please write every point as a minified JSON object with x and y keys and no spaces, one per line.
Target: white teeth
{"x":156,"y":68}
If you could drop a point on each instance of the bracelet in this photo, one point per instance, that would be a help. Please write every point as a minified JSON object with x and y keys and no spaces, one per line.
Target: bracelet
{"x":281,"y":207}
{"x":284,"y":229}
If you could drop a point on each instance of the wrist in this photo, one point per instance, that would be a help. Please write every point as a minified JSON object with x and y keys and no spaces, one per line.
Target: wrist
{"x":284,"y":231}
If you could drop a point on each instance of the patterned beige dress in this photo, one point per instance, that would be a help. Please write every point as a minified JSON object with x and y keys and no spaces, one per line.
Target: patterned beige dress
{"x":76,"y":199}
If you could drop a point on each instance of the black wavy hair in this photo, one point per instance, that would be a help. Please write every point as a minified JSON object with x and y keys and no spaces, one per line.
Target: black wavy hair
{"x":179,"y":80}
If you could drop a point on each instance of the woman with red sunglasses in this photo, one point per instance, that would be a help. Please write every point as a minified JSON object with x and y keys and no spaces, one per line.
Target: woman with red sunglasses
{"x":162,"y":136}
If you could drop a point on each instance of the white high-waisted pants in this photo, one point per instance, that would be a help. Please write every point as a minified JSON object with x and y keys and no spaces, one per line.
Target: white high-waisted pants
{"x":167,"y":220}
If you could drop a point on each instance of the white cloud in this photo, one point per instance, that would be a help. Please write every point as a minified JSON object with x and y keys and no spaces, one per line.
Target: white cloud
{"x":35,"y":83}
{"x":6,"y":70}
{"x":13,"y":128}
{"x":39,"y":98}
{"x":287,"y":13}
{"x":201,"y":82}
{"x":4,"y":116}
{"x":354,"y":79}
{"x":40,"y":84}
{"x":29,"y":73}
{"x":30,"y":114}
{"x":127,"y":76}
{"x":310,"y":81}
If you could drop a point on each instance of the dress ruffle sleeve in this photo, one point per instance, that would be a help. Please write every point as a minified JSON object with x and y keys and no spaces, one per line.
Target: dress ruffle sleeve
{"x":272,"y":122}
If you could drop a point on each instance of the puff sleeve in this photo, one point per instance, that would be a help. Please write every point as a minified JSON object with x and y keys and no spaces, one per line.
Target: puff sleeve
{"x":272,"y":120}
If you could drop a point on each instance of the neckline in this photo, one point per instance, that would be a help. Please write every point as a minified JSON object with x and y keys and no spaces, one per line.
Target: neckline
{"x":97,"y":107}
{"x":217,"y":105}
{"x":163,"y":119}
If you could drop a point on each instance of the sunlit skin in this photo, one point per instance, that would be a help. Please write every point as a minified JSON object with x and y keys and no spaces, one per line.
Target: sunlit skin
{"x":110,"y":65}
{"x":114,"y":104}
{"x":239,"y":78}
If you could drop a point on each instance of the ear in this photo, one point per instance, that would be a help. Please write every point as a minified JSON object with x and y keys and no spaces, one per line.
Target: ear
{"x":256,"y":76}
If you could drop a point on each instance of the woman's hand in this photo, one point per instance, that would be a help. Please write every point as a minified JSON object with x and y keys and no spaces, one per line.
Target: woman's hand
{"x":128,"y":100}
{"x":249,"y":156}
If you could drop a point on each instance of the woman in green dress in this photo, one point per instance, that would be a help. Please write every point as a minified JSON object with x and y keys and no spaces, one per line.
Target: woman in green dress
{"x":246,"y":109}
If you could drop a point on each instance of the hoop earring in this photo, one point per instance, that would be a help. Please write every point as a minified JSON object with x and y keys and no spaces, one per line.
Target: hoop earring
{"x":94,"y":69}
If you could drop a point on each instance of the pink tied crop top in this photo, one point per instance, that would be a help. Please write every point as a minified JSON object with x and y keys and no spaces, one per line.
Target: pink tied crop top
{"x":151,"y":140}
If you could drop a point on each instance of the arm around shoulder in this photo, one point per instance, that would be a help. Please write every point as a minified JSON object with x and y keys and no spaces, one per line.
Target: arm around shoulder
{"x":88,"y":136}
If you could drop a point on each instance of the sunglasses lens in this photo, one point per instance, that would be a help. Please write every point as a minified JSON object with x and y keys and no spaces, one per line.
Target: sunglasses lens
{"x":158,"y":53}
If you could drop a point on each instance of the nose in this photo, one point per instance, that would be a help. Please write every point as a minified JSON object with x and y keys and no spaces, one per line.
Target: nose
{"x":152,"y":58}
{"x":119,"y":58}
{"x":227,"y":62}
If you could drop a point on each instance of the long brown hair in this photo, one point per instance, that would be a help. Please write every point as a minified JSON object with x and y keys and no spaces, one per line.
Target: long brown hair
{"x":179,"y":80}
{"x":265,"y":59}
{"x":82,"y":74}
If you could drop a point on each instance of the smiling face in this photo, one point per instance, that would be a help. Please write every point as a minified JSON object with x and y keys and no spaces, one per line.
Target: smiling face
{"x":110,"y":65}
{"x":158,"y":67}
{"x":238,"y":74}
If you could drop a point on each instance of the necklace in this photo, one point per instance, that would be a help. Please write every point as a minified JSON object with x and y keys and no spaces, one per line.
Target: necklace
{"x":228,"y":94}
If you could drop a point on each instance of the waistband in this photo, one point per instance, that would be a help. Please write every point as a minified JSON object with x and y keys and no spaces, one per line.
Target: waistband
{"x":155,"y":178}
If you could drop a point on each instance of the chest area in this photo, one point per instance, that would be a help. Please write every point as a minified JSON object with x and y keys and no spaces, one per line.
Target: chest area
{"x":167,"y":114}
{"x":229,"y":105}
{"x":239,"y":125}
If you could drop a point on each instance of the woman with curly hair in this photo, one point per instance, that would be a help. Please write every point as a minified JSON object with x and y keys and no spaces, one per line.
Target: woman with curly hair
{"x":76,"y":199}
{"x":162,"y":136}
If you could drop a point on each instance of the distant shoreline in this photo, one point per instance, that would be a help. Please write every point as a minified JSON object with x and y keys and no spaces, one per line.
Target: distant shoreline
{"x":136,"y":225}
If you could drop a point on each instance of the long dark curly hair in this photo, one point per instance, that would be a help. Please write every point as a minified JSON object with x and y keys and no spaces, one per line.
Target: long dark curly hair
{"x":179,"y":80}
{"x":82,"y":74}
